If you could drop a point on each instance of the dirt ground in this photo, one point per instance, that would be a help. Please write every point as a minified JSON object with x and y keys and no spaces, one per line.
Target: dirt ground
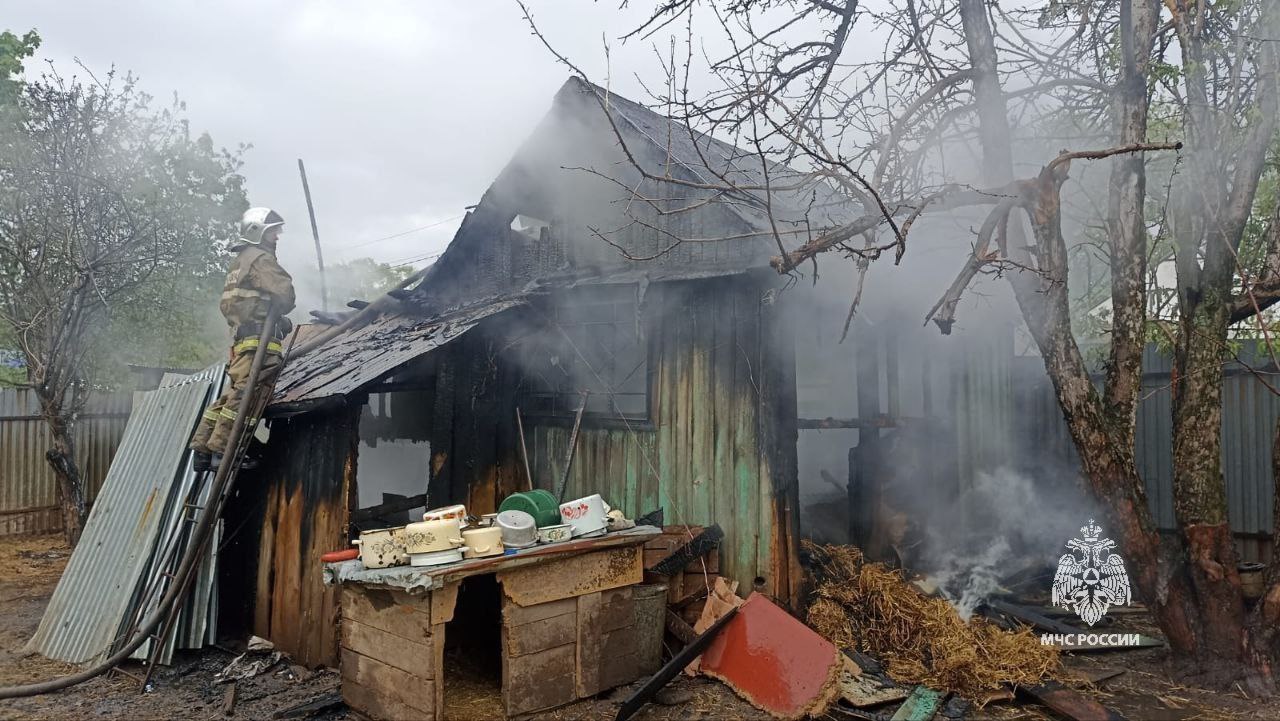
{"x":29,"y":569}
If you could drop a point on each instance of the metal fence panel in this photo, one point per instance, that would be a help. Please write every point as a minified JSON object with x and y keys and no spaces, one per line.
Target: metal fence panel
{"x":28,"y":488}
{"x":1250,"y":411}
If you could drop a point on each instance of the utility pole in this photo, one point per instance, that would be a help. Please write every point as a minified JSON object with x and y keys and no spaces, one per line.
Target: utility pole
{"x":315,"y":233}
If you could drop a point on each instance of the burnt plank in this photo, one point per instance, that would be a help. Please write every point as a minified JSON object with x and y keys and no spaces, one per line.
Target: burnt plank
{"x":701,"y":545}
{"x":539,"y":681}
{"x":388,"y":682}
{"x":513,"y":614}
{"x":869,"y":687}
{"x":1030,"y":617}
{"x":641,"y":696}
{"x":309,"y":708}
{"x":575,"y":576}
{"x":1068,"y":704}
{"x":588,"y":644}
{"x":266,"y":567}
{"x":679,"y":628}
{"x":370,"y":704}
{"x":411,"y":656}
{"x":386,"y":610}
{"x":440,"y":482}
{"x":442,"y":602}
{"x":541,"y":635}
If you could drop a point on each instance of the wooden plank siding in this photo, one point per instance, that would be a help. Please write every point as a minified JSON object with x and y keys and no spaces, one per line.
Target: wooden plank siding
{"x":701,"y":456}
{"x":305,"y":484}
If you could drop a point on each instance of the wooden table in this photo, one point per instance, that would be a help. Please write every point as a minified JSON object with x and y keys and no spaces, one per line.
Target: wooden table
{"x":568,"y":626}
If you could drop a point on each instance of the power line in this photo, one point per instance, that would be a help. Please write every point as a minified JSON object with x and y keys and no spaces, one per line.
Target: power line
{"x":400,"y":234}
{"x":415,"y":258}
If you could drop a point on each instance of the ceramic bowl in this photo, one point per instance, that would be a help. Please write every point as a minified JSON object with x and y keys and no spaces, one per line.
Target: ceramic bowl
{"x":555,"y":534}
{"x":437,"y":558}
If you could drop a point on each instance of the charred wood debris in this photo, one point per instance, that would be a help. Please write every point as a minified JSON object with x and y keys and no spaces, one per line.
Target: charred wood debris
{"x":875,"y":644}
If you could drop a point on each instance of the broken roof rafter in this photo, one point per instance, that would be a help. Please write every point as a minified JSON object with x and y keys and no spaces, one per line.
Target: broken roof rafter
{"x":367,"y":355}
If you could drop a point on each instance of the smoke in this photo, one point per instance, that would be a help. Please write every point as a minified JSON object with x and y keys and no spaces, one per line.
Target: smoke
{"x":967,"y":582}
{"x":1006,"y":523}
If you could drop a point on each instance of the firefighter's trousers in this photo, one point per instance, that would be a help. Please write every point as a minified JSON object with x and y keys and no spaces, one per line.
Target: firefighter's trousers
{"x":215,"y":424}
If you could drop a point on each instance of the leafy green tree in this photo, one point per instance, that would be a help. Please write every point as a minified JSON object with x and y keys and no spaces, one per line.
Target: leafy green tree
{"x":13,"y":50}
{"x":363,"y":279}
{"x":112,"y":224}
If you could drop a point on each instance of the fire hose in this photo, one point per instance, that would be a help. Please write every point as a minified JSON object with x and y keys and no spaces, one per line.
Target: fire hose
{"x":199,"y":538}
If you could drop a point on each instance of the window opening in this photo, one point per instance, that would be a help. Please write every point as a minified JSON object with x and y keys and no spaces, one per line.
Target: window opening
{"x":592,"y":343}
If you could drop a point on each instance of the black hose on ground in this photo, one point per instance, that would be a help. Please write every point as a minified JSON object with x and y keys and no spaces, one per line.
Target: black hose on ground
{"x":199,"y":539}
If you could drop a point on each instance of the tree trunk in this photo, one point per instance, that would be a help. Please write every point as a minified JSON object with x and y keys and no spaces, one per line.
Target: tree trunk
{"x":1190,"y":584}
{"x":1199,"y":489}
{"x":62,"y":458}
{"x":1103,"y":437}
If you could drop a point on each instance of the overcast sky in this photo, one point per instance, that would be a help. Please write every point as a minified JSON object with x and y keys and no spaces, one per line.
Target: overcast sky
{"x":403,"y":111}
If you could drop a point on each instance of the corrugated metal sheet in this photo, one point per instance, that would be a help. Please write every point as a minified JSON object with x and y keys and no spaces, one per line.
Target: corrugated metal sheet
{"x":982,"y":404}
{"x":93,"y":596}
{"x":189,"y":495}
{"x":28,"y":488}
{"x":1249,"y":415}
{"x":349,"y":362}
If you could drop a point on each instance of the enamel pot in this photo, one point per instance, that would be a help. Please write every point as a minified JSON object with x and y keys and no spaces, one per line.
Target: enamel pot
{"x":433,"y":536}
{"x":457,"y":512}
{"x":379,"y":549}
{"x":518,"y":529}
{"x":482,"y":542}
{"x":587,"y":515}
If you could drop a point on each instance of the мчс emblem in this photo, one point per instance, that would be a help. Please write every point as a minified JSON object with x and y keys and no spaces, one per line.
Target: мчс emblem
{"x":1092,"y":582}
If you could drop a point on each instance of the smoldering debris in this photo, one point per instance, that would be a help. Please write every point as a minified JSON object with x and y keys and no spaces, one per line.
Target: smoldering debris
{"x":920,"y":639}
{"x":1012,"y":522}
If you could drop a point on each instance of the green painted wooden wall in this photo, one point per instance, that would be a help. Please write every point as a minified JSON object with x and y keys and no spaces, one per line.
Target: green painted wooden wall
{"x":700,"y":456}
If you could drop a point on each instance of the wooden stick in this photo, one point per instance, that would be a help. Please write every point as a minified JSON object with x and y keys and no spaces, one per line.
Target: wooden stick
{"x":524,"y":450}
{"x":573,"y":446}
{"x":229,"y":699}
{"x":315,"y":234}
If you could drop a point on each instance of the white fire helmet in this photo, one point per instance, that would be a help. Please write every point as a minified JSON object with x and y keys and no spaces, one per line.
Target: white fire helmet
{"x":255,"y":222}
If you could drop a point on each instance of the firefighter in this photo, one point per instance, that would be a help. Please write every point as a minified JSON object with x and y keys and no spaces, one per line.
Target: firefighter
{"x":254,"y":282}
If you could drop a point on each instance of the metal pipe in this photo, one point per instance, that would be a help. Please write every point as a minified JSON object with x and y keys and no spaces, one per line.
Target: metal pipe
{"x":200,"y":538}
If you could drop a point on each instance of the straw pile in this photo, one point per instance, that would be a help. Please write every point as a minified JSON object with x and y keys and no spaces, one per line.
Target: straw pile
{"x":919,"y":639}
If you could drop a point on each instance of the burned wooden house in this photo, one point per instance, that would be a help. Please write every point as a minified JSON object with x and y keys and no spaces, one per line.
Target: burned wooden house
{"x":606,"y":268}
